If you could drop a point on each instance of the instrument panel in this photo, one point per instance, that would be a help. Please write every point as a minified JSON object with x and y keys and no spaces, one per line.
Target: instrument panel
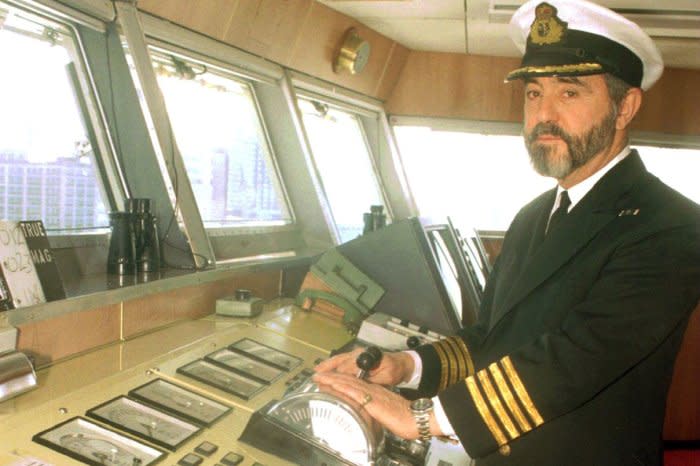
{"x":179,"y":396}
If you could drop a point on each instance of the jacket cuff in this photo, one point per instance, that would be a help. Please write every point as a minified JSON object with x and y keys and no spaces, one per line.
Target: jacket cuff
{"x":490,"y":409}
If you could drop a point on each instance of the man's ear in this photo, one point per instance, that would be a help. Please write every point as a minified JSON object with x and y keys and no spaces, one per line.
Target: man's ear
{"x":628,"y":107}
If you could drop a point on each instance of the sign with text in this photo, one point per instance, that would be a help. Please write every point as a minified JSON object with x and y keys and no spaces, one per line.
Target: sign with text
{"x":43,"y":258}
{"x":17,"y":267}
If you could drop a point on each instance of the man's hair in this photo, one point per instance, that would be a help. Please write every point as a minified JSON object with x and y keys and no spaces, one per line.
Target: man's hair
{"x":617,"y":89}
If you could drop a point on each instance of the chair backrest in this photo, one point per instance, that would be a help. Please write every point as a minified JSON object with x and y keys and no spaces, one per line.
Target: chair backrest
{"x":683,"y":404}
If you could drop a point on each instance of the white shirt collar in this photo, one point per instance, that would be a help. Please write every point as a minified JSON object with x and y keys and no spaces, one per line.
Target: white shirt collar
{"x":578,"y":191}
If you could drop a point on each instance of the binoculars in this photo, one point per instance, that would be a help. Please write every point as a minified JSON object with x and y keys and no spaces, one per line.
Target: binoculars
{"x":134,"y":246}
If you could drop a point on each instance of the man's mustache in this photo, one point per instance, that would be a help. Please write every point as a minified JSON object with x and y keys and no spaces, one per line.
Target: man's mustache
{"x":550,"y":129}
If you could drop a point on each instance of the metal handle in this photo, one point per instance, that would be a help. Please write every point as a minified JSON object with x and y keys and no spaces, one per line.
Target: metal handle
{"x":16,"y":374}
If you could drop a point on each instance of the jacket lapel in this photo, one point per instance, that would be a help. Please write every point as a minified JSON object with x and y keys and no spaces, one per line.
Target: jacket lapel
{"x":526,"y":235}
{"x":599,"y":207}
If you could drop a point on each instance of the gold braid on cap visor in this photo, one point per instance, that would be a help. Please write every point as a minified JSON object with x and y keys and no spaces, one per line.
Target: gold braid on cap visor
{"x":578,"y":68}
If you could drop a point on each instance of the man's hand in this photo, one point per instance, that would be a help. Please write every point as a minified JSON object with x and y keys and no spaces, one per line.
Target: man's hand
{"x":390,"y":409}
{"x":393,"y":369}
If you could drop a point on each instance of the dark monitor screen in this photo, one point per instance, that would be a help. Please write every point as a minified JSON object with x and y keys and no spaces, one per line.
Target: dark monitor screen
{"x":458,"y":271}
{"x":414,"y":266}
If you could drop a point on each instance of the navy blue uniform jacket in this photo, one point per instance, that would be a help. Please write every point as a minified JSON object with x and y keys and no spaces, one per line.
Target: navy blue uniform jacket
{"x":570,"y":360}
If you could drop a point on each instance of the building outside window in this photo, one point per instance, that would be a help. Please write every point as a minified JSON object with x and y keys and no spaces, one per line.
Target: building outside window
{"x":47,"y":166}
{"x":222,"y":139}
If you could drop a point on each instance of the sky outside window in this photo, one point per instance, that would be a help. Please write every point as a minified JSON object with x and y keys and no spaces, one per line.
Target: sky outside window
{"x":223,"y":145}
{"x":47,"y":169}
{"x":343,"y":161}
{"x":481,"y":181}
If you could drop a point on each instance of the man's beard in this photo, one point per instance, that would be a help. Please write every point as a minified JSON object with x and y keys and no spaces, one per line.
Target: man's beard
{"x":579,"y":149}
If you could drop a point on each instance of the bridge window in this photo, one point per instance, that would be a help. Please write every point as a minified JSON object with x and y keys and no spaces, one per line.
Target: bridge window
{"x":344,"y":163}
{"x":677,"y":167}
{"x":47,"y":159}
{"x":223,"y":142}
{"x":481,"y":180}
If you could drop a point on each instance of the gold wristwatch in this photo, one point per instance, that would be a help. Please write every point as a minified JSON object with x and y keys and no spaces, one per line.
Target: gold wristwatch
{"x":421,"y":409}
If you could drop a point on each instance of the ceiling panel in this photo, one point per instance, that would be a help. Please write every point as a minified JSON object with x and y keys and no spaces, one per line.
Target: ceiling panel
{"x":440,"y":25}
{"x":449,"y":9}
{"x":443,"y":35}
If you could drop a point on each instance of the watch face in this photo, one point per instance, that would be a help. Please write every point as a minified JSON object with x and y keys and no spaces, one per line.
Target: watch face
{"x":421,"y":404}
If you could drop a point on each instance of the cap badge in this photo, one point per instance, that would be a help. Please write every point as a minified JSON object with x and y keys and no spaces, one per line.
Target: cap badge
{"x":547,"y":27}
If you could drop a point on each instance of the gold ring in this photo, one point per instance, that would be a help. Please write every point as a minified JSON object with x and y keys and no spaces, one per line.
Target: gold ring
{"x":366,"y":399}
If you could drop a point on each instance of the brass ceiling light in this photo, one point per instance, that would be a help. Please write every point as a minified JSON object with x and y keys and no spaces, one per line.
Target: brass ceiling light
{"x":353,"y":53}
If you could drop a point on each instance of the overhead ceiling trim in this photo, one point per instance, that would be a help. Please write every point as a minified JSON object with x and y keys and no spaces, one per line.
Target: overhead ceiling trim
{"x":658,"y":22}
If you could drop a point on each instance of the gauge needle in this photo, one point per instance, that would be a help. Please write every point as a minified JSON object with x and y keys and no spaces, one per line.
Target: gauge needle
{"x":149,"y":426}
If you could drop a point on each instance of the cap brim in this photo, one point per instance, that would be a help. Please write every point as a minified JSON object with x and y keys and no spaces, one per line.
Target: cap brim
{"x":575,"y":69}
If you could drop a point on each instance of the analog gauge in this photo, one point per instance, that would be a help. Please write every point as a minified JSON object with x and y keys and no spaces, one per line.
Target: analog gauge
{"x":332,"y":423}
{"x":143,"y":421}
{"x":184,"y":403}
{"x":223,"y":379}
{"x":102,"y":451}
{"x":244,"y":365}
{"x":160,"y":427}
{"x":171,"y":398}
{"x":272,"y":356}
{"x":134,"y":420}
{"x":90,"y":443}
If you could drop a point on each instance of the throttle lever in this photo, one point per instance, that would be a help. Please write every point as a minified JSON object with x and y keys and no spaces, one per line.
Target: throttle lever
{"x":368,"y":360}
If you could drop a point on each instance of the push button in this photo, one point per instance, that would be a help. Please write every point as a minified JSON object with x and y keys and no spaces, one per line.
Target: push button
{"x":190,"y":459}
{"x":232,"y":459}
{"x":206,"y":448}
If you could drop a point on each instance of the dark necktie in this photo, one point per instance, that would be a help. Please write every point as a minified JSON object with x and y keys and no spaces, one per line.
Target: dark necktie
{"x":560,"y":213}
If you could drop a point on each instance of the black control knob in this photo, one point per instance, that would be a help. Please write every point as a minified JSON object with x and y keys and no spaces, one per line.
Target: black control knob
{"x":412,"y":341}
{"x":368,"y":360}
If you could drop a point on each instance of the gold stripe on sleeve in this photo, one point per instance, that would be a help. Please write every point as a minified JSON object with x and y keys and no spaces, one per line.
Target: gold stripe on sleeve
{"x":517,"y":384}
{"x":444,"y":365}
{"x":508,"y":397}
{"x":467,"y":356}
{"x":461,"y":364}
{"x":452,"y":358}
{"x":483,"y":409}
{"x":496,"y":404}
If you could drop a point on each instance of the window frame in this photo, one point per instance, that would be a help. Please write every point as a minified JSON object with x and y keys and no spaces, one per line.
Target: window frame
{"x":387,"y":168}
{"x":243,"y":242}
{"x":361,"y":116}
{"x":231,"y":72}
{"x":108,"y":175}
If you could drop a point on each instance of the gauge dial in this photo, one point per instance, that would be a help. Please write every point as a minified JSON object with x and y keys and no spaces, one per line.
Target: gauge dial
{"x":144,"y":421}
{"x":140,"y":423}
{"x":184,"y":403}
{"x":270,"y":355}
{"x":91,"y":443}
{"x":245,"y":365}
{"x":331,"y":423}
{"x":102,"y":451}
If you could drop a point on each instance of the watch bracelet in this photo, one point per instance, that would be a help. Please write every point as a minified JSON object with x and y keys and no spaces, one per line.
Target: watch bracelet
{"x":423,"y":424}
